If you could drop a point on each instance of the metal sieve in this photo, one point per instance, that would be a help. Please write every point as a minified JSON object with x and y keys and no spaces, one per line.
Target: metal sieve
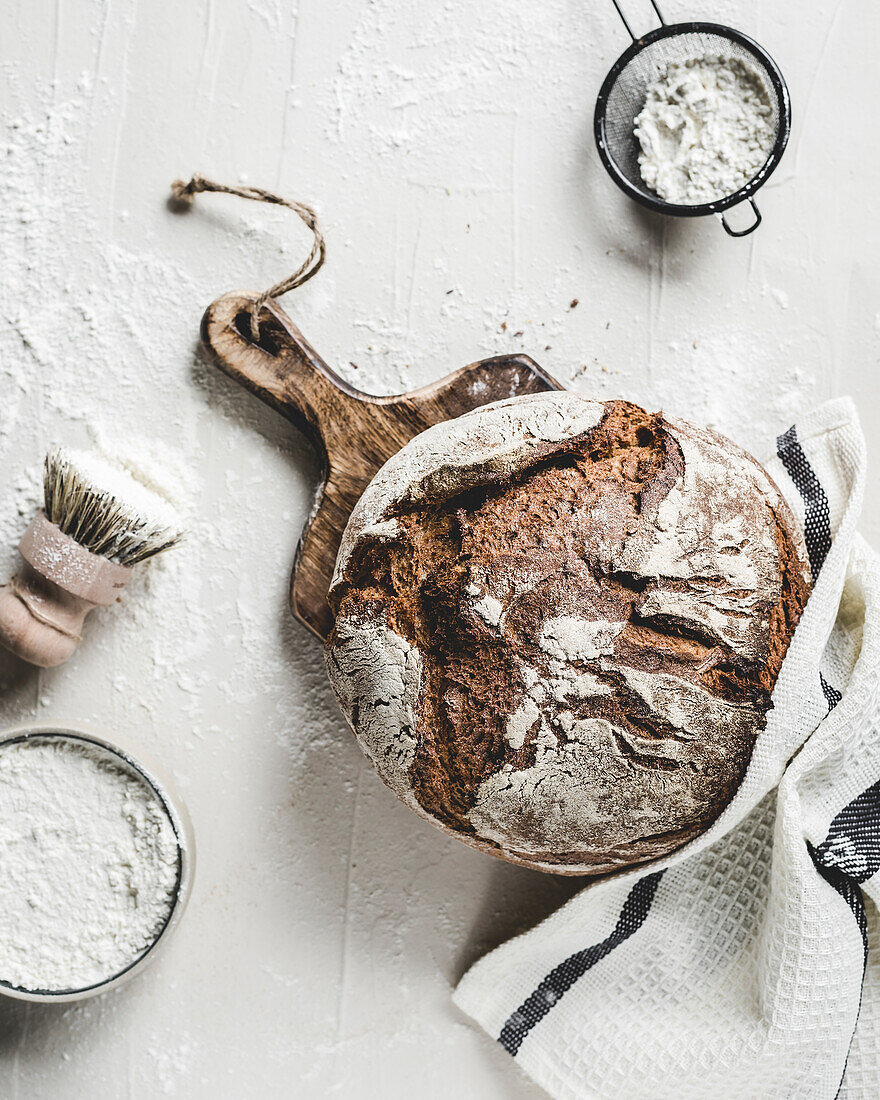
{"x":623,"y":94}
{"x":170,"y":801}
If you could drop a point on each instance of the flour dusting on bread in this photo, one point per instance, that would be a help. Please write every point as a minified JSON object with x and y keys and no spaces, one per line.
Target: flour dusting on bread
{"x":558,"y":626}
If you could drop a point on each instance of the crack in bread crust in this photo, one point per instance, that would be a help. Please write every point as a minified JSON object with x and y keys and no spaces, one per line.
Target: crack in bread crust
{"x":598,"y":629}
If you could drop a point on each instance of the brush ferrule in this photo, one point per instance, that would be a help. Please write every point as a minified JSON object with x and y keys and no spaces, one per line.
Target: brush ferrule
{"x":62,"y":560}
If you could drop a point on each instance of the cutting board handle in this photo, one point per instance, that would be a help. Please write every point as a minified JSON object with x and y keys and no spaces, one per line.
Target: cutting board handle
{"x":353,"y":432}
{"x":282,"y":368}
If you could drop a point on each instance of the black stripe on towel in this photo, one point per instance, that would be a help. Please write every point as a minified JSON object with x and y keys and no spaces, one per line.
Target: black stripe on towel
{"x":832,"y":695}
{"x":845,"y":856}
{"x":558,"y":982}
{"x":848,"y":889}
{"x":849,"y":855}
{"x":817,"y":519}
{"x":852,"y":895}
{"x":853,"y":842}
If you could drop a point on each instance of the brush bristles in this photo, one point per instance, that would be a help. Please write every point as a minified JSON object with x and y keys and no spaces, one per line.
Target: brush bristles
{"x":97,"y":518}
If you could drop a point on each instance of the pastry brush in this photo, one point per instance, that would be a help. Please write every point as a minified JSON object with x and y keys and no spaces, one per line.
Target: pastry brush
{"x":97,"y":523}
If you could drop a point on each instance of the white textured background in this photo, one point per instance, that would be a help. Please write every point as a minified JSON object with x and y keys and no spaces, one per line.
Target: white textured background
{"x":449,"y":149}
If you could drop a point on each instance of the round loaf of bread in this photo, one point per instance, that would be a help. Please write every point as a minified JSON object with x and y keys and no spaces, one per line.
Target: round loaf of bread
{"x":558,"y":623}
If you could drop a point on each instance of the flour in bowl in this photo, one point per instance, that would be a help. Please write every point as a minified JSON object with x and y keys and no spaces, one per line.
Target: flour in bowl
{"x":88,"y":864}
{"x":706,"y":129}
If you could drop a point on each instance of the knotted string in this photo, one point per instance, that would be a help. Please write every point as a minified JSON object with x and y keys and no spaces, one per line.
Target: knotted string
{"x":185,"y":192}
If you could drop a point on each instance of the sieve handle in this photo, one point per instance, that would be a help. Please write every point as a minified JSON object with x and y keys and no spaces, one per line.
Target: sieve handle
{"x":623,"y":19}
{"x":749,"y":228}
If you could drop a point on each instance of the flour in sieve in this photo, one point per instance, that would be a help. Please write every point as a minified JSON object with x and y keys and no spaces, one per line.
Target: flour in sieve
{"x":706,"y":129}
{"x":88,"y":864}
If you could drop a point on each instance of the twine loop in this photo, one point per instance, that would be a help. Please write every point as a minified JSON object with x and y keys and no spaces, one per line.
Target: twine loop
{"x":184,"y":193}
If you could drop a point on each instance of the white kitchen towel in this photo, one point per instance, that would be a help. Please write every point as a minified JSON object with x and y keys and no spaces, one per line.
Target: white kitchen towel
{"x":746,"y":964}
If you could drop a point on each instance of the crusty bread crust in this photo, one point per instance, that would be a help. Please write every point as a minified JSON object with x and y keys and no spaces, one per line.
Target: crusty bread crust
{"x":558,"y":624}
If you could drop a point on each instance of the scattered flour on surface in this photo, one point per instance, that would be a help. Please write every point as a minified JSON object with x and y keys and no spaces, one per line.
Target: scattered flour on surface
{"x":88,"y":865}
{"x":706,"y":129}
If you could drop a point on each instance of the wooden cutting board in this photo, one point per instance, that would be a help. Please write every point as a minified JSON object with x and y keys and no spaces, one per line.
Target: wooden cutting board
{"x":353,"y":432}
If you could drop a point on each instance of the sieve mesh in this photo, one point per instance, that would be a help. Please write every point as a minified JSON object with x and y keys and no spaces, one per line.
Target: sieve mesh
{"x":623,"y":96}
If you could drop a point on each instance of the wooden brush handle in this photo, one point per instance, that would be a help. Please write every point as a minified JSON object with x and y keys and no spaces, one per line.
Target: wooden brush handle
{"x":39,"y":621}
{"x":43,"y":607}
{"x":353,"y":432}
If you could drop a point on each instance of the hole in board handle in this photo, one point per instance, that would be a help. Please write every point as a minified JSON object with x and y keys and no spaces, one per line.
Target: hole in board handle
{"x":270,"y":332}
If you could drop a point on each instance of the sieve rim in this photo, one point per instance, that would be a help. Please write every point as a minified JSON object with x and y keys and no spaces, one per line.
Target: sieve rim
{"x":178,"y":816}
{"x":783,"y":132}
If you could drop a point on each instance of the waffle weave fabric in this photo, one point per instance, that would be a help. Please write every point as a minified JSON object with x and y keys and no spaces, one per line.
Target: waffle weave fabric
{"x":747,"y":964}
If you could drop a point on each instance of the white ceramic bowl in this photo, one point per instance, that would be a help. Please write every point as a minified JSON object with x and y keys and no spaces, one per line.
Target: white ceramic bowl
{"x":180,"y":821}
